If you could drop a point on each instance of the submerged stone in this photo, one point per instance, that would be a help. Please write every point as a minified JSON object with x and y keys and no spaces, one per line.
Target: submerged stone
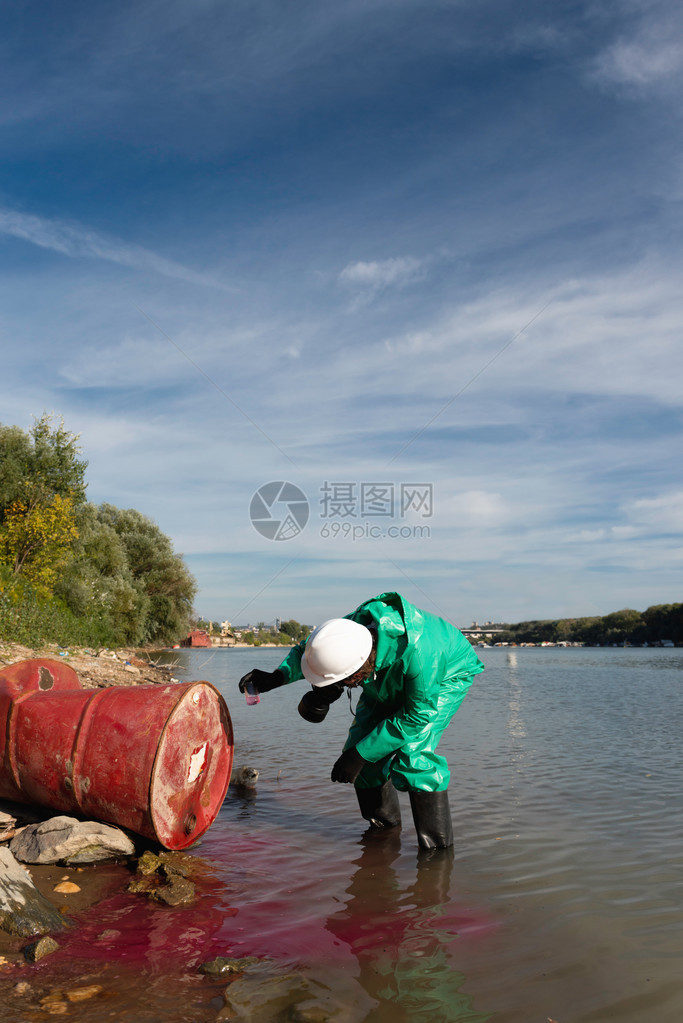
{"x":66,"y":888}
{"x":220,"y":966}
{"x":265,"y":994}
{"x":39,"y":949}
{"x":81,"y":994}
{"x":54,"y":1004}
{"x":304,"y":1014}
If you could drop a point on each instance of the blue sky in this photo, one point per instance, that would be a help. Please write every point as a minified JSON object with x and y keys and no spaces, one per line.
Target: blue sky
{"x":374,"y":241}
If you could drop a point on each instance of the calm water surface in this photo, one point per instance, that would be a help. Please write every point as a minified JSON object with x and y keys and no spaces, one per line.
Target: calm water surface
{"x":562,"y":899}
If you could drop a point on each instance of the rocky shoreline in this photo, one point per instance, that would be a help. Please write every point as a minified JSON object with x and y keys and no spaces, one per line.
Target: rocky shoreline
{"x":56,"y":870}
{"x":54,"y":873}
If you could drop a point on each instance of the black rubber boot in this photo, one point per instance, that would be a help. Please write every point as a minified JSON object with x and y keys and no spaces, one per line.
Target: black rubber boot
{"x":380,"y":805}
{"x":432,"y":816}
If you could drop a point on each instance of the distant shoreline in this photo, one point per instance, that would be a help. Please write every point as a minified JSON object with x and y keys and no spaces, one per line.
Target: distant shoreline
{"x":236,"y":646}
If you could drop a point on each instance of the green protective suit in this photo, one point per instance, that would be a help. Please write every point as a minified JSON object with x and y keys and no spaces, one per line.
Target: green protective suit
{"x":423,"y":670}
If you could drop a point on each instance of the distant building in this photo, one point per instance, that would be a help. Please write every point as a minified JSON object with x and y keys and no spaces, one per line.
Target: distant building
{"x":198,"y":637}
{"x":490,"y":629}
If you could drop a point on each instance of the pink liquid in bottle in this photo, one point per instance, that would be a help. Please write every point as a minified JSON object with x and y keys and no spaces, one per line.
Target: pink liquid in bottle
{"x":251,"y":694}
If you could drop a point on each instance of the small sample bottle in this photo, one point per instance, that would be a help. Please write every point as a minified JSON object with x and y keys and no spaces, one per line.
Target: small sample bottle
{"x":251,"y":694}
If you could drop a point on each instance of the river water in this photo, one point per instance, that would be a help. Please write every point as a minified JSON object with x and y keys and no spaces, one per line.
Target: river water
{"x":562,"y":899}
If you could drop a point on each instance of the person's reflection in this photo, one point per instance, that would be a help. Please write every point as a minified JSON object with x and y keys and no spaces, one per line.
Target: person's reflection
{"x":401,"y":937}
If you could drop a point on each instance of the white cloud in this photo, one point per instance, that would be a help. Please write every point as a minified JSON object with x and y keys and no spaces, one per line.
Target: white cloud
{"x":474,"y":509}
{"x":381,"y":274}
{"x":618,"y":334}
{"x":587,"y":536}
{"x":604,"y":535}
{"x":624,"y":532}
{"x":651,"y":56}
{"x":76,"y":241}
{"x":663,"y":513}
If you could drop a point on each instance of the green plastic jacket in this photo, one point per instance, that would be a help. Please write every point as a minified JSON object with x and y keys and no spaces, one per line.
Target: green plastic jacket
{"x":423,"y":670}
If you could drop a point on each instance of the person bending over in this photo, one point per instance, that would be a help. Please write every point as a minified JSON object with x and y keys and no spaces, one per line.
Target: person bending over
{"x":414,"y":670}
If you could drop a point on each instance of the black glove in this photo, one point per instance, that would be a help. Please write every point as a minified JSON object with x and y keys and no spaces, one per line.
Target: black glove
{"x":263,"y":680}
{"x":315,"y":704}
{"x":349,"y":766}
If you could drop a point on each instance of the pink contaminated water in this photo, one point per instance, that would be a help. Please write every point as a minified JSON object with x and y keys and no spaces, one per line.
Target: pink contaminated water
{"x":265,"y":892}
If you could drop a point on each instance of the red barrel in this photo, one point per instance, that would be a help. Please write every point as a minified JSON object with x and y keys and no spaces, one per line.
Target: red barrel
{"x":154,"y":759}
{"x":40,"y":674}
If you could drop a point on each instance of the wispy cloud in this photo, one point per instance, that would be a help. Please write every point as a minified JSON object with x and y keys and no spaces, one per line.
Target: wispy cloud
{"x":79,"y":242}
{"x":650,"y":56}
{"x":373,"y":276}
{"x":341,"y":158}
{"x":662,"y":513}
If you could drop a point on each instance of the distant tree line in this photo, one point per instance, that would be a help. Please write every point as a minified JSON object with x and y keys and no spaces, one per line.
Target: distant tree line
{"x":72,"y":572}
{"x":659,"y":622}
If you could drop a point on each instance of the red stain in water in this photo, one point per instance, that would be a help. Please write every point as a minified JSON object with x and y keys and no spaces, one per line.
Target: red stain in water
{"x":129,"y":930}
{"x":265,"y":897}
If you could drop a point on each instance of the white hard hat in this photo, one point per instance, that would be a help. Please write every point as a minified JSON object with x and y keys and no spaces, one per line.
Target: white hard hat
{"x":334,"y":650}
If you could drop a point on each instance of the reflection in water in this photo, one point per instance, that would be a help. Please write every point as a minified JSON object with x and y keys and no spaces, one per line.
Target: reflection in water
{"x":516,"y":724}
{"x":403,"y":938}
{"x":568,"y":802}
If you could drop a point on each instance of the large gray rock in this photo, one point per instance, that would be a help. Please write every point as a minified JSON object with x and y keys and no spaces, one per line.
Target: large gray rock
{"x":66,"y":840}
{"x":262,"y":993}
{"x":23,"y":910}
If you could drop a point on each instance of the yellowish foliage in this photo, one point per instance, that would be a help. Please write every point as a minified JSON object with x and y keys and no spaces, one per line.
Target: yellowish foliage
{"x":36,"y":537}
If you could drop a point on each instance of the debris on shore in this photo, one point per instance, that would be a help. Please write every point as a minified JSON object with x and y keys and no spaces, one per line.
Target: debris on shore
{"x":98,"y":668}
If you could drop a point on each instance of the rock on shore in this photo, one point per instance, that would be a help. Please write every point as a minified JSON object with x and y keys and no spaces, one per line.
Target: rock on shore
{"x":23,"y":910}
{"x":67,"y":840}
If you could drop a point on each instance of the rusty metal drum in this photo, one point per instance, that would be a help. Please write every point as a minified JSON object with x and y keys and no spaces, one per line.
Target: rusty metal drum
{"x":40,"y":674}
{"x":154,"y":759}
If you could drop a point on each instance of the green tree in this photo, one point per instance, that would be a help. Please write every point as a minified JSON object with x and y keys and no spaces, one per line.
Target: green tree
{"x":36,"y":466}
{"x":619,"y":626}
{"x":98,"y":584}
{"x":664,"y":621}
{"x":157,"y":572}
{"x":295,"y":630}
{"x":587,"y":630}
